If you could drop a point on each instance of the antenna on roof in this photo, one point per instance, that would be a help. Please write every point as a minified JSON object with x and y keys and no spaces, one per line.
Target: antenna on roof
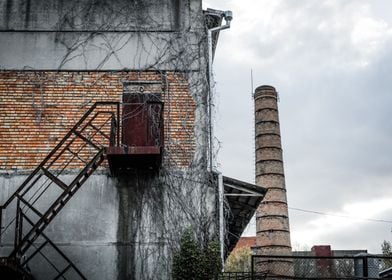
{"x":251,"y":81}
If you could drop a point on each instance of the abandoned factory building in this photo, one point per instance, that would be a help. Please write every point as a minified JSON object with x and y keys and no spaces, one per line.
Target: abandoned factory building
{"x":106,"y":144}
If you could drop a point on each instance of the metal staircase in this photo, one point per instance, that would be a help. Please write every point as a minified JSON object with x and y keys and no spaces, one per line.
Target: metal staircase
{"x":44,"y":193}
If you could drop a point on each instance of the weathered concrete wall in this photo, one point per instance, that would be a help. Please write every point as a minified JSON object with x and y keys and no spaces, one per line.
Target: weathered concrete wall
{"x":122,"y":228}
{"x":91,"y":15}
{"x":110,"y":35}
{"x":104,"y":51}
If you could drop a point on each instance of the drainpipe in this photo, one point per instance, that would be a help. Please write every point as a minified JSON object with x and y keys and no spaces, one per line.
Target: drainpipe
{"x":221,"y":219}
{"x":228,"y":16}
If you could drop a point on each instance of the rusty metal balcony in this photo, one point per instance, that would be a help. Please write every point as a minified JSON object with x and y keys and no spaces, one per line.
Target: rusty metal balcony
{"x":141,"y":144}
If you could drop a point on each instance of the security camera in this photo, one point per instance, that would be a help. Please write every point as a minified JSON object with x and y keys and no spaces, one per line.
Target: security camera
{"x":228,"y":15}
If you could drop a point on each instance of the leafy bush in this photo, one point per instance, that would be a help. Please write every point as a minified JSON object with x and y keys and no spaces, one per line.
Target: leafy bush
{"x":239,"y":260}
{"x":193,"y":262}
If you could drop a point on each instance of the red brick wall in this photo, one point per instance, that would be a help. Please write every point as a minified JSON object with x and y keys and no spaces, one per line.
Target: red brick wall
{"x":38,"y":108}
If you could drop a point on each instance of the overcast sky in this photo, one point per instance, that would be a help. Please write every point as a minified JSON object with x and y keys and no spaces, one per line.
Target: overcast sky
{"x":331,"y":62}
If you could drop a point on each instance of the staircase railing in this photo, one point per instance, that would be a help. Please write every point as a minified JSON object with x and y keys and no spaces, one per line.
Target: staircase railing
{"x":43,"y":193}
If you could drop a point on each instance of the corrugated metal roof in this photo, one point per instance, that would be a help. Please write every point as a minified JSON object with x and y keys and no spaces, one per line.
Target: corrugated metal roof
{"x":243,"y":199}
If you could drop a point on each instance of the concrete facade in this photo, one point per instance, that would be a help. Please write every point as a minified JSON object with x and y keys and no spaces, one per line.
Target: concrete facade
{"x":59,"y":57}
{"x":122,"y":228}
{"x":105,"y":35}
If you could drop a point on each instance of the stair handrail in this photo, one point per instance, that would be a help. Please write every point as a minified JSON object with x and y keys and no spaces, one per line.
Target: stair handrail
{"x":57,"y":147}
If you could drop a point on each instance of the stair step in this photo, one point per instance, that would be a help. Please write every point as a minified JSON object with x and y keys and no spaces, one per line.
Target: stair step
{"x":54,"y":179}
{"x":85,"y":139}
{"x":30,"y":206}
{"x":99,"y":131}
{"x":76,"y":155}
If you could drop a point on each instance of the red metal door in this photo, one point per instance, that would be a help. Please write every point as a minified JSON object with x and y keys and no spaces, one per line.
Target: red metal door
{"x":142,"y":117}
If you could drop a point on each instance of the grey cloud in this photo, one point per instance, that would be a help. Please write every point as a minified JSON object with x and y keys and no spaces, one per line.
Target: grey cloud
{"x":335,"y":115}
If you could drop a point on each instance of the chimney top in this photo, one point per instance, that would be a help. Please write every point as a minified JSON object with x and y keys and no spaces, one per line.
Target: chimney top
{"x":265,"y":90}
{"x":264,"y":87}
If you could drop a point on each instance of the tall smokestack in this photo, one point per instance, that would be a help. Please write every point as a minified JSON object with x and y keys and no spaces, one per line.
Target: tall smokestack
{"x":272,"y":221}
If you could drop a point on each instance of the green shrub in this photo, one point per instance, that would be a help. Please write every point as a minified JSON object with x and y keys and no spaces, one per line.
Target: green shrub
{"x":192,"y":262}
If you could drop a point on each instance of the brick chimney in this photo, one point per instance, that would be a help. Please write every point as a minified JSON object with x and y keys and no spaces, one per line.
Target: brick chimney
{"x":272,"y":222}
